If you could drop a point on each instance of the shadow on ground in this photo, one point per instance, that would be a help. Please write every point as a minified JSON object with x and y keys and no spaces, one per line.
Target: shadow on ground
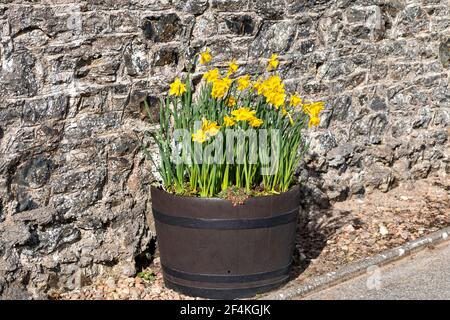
{"x":315,"y":228}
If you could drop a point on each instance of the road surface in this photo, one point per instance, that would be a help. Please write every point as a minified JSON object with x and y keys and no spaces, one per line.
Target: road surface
{"x":423,"y":275}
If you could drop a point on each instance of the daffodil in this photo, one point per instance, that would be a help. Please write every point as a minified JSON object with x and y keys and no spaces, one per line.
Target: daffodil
{"x":243,"y":82}
{"x":199,"y":136}
{"x":258,"y":86}
{"x":210,"y":128}
{"x":232,"y":67}
{"x":213,"y":129}
{"x":313,"y":110}
{"x":228,"y":81}
{"x":314,"y":121}
{"x":255,"y":122}
{"x":220,"y":87}
{"x":273,"y":83}
{"x":277,"y":99}
{"x":177,"y":88}
{"x":228,"y":121}
{"x":231,"y":98}
{"x":243,"y":114}
{"x":231,"y":101}
{"x":205,"y":124}
{"x":295,"y":100}
{"x":273,"y":62}
{"x":273,"y":90}
{"x":205,"y":56}
{"x":211,"y":75}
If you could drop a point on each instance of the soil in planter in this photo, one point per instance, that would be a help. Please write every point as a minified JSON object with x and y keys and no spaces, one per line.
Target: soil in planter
{"x":234,"y":194}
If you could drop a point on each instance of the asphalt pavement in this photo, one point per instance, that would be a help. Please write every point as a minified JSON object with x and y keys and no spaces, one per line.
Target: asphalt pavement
{"x":422,"y":275}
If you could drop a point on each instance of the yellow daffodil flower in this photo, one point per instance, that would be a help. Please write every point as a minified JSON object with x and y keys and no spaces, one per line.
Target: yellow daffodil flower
{"x":313,"y":121}
{"x":205,"y":124}
{"x":205,"y":56}
{"x":313,"y":110}
{"x":211,"y":128}
{"x":199,"y":136}
{"x":255,"y":122}
{"x":273,"y":90}
{"x":228,"y":121}
{"x":220,"y":87}
{"x":295,"y":100}
{"x":231,"y":101}
{"x":228,"y":81}
{"x":177,"y":88}
{"x":273,"y":62}
{"x":243,"y":114}
{"x":277,"y":99}
{"x":211,"y":75}
{"x":232,"y":67}
{"x":258,"y":86}
{"x":243,"y":82}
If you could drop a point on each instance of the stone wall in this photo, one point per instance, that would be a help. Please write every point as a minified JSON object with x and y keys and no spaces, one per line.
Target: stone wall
{"x":74,"y":184}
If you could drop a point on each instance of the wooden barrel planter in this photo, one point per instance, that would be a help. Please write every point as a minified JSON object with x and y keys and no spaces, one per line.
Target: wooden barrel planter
{"x":212,"y":249}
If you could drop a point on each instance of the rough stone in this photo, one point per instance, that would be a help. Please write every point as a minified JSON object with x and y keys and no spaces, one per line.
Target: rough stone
{"x":297,"y":6}
{"x":229,"y":5}
{"x":379,"y":177}
{"x":40,"y":217}
{"x":273,"y":37}
{"x":135,"y":58}
{"x":444,"y":53}
{"x":378,"y":104}
{"x":241,"y":24}
{"x":166,"y":57}
{"x":162,"y":28}
{"x":342,"y":107}
{"x":338,"y":156}
{"x":271,"y":9}
{"x":196,"y":7}
{"x":34,"y":173}
{"x":412,"y":20}
{"x":17,"y":76}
